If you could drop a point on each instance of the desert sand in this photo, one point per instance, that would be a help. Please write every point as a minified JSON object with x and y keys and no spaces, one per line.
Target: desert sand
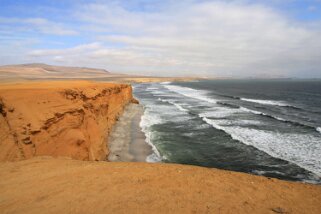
{"x":38,"y":71}
{"x":41,"y":71}
{"x":46,"y":185}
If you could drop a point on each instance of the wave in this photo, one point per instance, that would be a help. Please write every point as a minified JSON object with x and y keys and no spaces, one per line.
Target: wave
{"x":221,"y":113}
{"x":202,"y":95}
{"x":229,"y":96}
{"x":147,"y":120}
{"x":264,"y":114}
{"x":275,"y":103}
{"x":227,"y":104}
{"x":189,"y":92}
{"x":279,"y":145}
{"x":165,"y":83}
{"x":261,"y":172}
{"x":318,"y":129}
{"x":269,"y":102}
{"x":264,"y":102}
{"x":151,"y":88}
{"x":179,"y":107}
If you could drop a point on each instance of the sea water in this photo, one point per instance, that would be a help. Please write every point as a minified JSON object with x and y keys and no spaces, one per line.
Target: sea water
{"x":264,"y":127}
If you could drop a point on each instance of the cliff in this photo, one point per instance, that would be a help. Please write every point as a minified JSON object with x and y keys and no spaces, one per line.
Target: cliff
{"x":65,"y":118}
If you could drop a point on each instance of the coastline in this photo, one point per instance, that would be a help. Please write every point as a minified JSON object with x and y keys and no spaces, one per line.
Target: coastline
{"x":126,"y":141}
{"x":86,"y":113}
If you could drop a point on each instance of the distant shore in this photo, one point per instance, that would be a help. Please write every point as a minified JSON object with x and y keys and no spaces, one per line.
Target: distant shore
{"x":127,"y":141}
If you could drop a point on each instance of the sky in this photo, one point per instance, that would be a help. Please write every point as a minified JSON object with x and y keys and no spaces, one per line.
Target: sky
{"x":208,"y":38}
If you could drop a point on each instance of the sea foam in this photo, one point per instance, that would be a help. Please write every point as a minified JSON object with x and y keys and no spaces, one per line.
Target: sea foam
{"x":268,"y":102}
{"x":179,"y":107}
{"x":189,"y":92}
{"x":287,"y":146}
{"x":147,"y":120}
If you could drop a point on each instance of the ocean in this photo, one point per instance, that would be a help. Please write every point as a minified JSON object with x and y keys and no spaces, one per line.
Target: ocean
{"x":263,"y":127}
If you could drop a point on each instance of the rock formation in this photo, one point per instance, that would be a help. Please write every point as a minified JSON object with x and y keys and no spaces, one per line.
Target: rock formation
{"x":69,"y":119}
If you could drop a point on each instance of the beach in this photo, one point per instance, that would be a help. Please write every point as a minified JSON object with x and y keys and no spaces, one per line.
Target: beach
{"x":127,"y":141}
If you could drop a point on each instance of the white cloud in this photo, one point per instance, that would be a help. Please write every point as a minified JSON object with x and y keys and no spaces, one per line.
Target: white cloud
{"x":37,"y":24}
{"x":208,"y":38}
{"x":77,"y":50}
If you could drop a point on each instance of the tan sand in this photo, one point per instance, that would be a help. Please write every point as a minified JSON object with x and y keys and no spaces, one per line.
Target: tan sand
{"x":71,"y":186}
{"x":127,"y":142}
{"x":38,"y":71}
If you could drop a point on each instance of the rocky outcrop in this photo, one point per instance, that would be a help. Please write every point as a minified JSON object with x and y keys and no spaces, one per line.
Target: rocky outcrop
{"x":67,"y":118}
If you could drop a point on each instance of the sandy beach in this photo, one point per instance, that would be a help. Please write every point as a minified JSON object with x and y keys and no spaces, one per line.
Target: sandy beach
{"x":127,"y":141}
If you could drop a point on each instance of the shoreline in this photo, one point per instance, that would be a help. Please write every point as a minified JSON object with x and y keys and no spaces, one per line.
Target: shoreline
{"x":72,"y":178}
{"x":127,"y":142}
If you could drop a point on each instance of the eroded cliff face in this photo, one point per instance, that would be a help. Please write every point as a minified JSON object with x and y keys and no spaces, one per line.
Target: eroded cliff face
{"x":67,"y":118}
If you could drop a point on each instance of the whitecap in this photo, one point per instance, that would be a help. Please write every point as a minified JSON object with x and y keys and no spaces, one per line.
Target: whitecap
{"x":151,"y":88}
{"x":264,"y":114}
{"x":165,"y":83}
{"x":179,"y":107}
{"x":148,"y":120}
{"x":220,"y":112}
{"x":301,"y":149}
{"x":189,"y":92}
{"x":267,"y":102}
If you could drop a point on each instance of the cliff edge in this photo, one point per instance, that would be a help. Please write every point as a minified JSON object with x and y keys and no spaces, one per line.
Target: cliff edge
{"x":67,"y":118}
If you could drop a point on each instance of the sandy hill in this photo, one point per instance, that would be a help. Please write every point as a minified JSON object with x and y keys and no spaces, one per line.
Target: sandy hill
{"x":38,"y":70}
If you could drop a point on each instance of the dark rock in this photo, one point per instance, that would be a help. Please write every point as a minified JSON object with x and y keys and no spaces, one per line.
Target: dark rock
{"x":278,"y":210}
{"x":27,"y":140}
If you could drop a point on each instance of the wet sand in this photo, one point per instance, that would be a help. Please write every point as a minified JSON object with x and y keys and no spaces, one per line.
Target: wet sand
{"x":127,"y":141}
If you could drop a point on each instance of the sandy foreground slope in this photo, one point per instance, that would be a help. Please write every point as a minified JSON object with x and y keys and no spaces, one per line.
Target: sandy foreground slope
{"x":46,"y":185}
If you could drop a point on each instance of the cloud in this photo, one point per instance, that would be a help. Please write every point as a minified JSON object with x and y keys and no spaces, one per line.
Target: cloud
{"x":77,"y":50}
{"x":235,"y":38}
{"x":38,"y":25}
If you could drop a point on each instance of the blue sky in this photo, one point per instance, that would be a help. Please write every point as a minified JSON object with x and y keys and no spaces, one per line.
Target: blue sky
{"x":240,"y":38}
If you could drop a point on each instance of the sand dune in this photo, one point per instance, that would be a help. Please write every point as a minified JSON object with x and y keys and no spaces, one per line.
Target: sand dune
{"x":38,"y":70}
